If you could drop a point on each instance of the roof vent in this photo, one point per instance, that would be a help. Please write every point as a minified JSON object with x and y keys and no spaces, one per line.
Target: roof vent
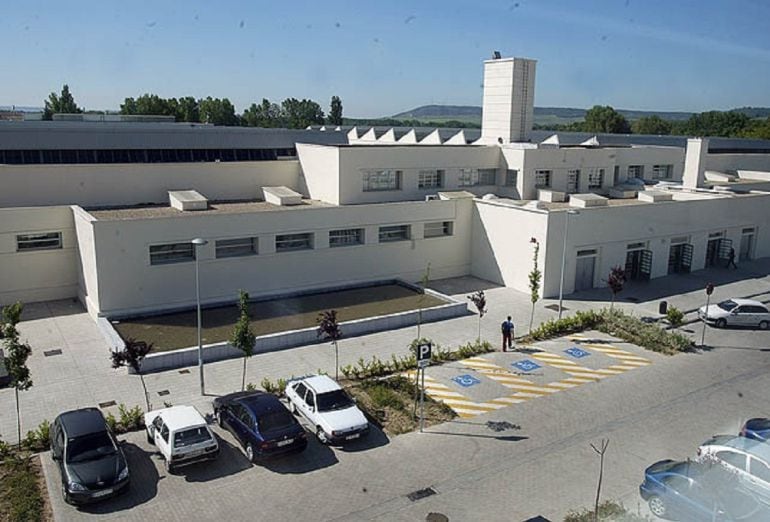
{"x":282,"y":196}
{"x":187,"y":200}
{"x":587,"y":200}
{"x":655,"y":196}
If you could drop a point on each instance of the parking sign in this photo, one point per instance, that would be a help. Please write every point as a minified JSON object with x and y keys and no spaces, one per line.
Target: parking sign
{"x":423,"y":354}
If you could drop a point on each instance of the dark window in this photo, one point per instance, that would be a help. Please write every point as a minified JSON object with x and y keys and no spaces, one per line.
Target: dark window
{"x":69,"y":156}
{"x":727,"y":305}
{"x":300,"y":389}
{"x":86,"y":156}
{"x":90,"y":447}
{"x":310,"y":398}
{"x":51,"y":156}
{"x":191,"y":436}
{"x":735,"y":459}
{"x":31,"y":157}
{"x":334,"y":400}
{"x":760,"y":470}
{"x":47,"y":241}
{"x":236,"y":247}
{"x":227,"y":155}
{"x":289,"y":242}
{"x":154,"y":156}
{"x":275,"y":421}
{"x":346,"y":237}
{"x":172,"y":253}
{"x":394,"y":233}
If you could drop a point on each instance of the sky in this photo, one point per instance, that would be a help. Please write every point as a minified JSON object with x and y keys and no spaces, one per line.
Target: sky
{"x":382,"y":58}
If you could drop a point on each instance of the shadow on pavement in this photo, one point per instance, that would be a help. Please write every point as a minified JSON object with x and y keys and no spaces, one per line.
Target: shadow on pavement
{"x":374,"y":439}
{"x":462,"y":285}
{"x":505,"y":438}
{"x":144,"y":483}
{"x":316,"y":456}
{"x":230,"y":461}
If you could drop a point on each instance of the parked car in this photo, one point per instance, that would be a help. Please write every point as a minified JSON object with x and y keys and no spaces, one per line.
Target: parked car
{"x":261,"y":423}
{"x":181,"y":435}
{"x":91,"y":462}
{"x":695,"y":491}
{"x":757,"y":429}
{"x":333,"y":414}
{"x":736,"y":312}
{"x":748,"y":459}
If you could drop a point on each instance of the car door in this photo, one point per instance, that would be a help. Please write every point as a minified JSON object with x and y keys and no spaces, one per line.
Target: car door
{"x":740,"y":316}
{"x":677,"y":498}
{"x":241,"y":421}
{"x":759,"y":475}
{"x":309,"y":406}
{"x":162,"y":436}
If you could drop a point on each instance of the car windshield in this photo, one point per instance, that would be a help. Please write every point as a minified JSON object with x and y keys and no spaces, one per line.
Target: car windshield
{"x":90,"y":447}
{"x":191,"y":436}
{"x":334,"y":400}
{"x":727,"y":305}
{"x":275,"y":421}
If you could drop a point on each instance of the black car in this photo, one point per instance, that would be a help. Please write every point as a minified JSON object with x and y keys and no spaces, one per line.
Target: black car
{"x":91,"y":463}
{"x":261,"y":423}
{"x":757,"y":429}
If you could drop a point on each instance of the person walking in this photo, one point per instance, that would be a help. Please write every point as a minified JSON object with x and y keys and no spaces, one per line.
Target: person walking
{"x":731,"y":259}
{"x":507,"y":329}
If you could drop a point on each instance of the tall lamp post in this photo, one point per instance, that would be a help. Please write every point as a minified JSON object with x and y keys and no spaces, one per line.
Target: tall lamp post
{"x":199,"y":242}
{"x":564,"y":255}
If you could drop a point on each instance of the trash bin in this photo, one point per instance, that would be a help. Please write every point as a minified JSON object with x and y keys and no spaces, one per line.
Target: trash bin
{"x":663,"y":308}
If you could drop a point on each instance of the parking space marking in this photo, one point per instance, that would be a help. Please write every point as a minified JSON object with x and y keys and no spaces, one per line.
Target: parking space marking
{"x":571,"y":368}
{"x":628,"y":359}
{"x":524,"y":388}
{"x":461,"y":405}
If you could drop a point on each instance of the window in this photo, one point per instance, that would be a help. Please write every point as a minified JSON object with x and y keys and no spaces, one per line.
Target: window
{"x":172,"y":253}
{"x":288,"y":242}
{"x":382,"y":180}
{"x":191,"y":436}
{"x":734,"y":459}
{"x":394,"y":233}
{"x":595,"y":178}
{"x":46,"y":241}
{"x":487,"y":176}
{"x":346,"y":237}
{"x":542,"y":178}
{"x":661,"y":171}
{"x":511,"y":177}
{"x":759,"y":470}
{"x":636,"y":171}
{"x":636,"y":246}
{"x":573,"y":180}
{"x":438,"y":229}
{"x":300,"y":389}
{"x":236,"y":247}
{"x":468,"y":177}
{"x":428,"y":179}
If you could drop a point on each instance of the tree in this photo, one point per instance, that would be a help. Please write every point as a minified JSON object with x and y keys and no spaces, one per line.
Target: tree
{"x":479,"y":300}
{"x":615,"y":281}
{"x":335,"y":111}
{"x":217,"y":111}
{"x":16,"y":356}
{"x":716,"y":123}
{"x":534,"y":281}
{"x":188,"y":110}
{"x":329,"y":330}
{"x":243,"y":338}
{"x":601,"y":450}
{"x":298,"y":114}
{"x":265,"y":114}
{"x":651,"y":125}
{"x":605,"y":119}
{"x":63,"y":104}
{"x":132,"y":355}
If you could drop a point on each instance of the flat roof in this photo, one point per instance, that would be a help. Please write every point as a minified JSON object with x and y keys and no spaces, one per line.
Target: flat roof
{"x":159,"y":210}
{"x":177,"y":417}
{"x":321,"y":383}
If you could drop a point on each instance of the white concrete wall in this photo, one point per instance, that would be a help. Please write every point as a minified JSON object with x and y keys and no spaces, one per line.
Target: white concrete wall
{"x":508,"y":104}
{"x":649,"y":156}
{"x":320,"y":172}
{"x":127,"y":283}
{"x":88,"y":282}
{"x":132,"y":183}
{"x":738,"y":161}
{"x":40,"y":275}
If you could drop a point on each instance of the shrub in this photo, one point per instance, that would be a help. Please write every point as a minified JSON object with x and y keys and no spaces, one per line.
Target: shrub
{"x":112,"y":423}
{"x":131,"y":419}
{"x":251,"y":387}
{"x":608,"y":511}
{"x":39,"y":438}
{"x":675,"y":317}
{"x":5,"y":450}
{"x":384,"y":397}
{"x":276,"y":388}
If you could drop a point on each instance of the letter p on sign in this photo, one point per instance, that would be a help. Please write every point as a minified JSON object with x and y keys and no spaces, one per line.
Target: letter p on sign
{"x":423,"y":354}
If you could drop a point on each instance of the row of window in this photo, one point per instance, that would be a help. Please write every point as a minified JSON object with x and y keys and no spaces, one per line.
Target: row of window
{"x":65,"y":156}
{"x":658,"y":171}
{"x":543,"y":179}
{"x":247,"y":246}
{"x":428,"y":179}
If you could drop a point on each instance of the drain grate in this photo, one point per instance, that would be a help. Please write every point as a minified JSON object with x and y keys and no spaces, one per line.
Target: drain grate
{"x":420,"y":494}
{"x":106,"y":404}
{"x":164,"y":392}
{"x":184,"y":371}
{"x":555,"y":307}
{"x":51,"y":353}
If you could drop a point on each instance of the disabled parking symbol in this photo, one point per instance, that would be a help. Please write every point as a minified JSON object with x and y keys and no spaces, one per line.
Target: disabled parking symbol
{"x":577,"y":353}
{"x":466,"y":381}
{"x":526,"y":365}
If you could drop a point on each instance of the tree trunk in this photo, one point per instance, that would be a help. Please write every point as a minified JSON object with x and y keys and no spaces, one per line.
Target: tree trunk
{"x":531,"y":317}
{"x":336,"y":362}
{"x":478,"y":339}
{"x":599,"y":487}
{"x":146,"y":396}
{"x":18,"y":416}
{"x":612,"y":301}
{"x":243,"y":378}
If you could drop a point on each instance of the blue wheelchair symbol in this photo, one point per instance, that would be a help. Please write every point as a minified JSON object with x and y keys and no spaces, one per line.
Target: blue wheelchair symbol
{"x":466,"y":381}
{"x":576,"y":352}
{"x":526,"y":365}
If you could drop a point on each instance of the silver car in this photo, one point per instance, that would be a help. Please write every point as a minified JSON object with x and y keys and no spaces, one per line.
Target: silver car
{"x":736,"y":312}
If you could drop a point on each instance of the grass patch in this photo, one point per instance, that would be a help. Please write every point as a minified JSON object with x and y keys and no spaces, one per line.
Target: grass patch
{"x":608,"y":511}
{"x":22,"y":490}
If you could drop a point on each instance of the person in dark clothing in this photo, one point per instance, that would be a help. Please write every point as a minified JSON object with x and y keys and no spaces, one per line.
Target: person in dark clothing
{"x":731,"y":259}
{"x":507,"y":329}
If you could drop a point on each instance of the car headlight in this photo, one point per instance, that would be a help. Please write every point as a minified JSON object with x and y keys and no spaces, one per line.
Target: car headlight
{"x":76,"y":486}
{"x":123,"y":474}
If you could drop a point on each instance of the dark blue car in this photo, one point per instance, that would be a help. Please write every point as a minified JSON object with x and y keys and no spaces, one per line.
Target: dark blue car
{"x":757,"y":429}
{"x":696,"y":491}
{"x":261,"y":423}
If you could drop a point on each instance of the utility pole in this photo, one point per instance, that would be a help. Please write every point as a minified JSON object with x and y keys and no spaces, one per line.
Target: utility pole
{"x":709,"y":291}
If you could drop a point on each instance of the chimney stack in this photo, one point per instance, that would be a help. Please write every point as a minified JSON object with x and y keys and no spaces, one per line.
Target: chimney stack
{"x":695,"y":163}
{"x":509,"y":98}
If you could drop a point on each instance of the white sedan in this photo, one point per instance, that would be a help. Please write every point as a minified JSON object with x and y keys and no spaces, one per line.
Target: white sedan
{"x":333,"y":414}
{"x":736,"y":312}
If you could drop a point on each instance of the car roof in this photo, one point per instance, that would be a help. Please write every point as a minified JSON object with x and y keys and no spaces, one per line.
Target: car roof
{"x":321,"y":383}
{"x":753,"y":447}
{"x":748,"y":302}
{"x":260,"y":403}
{"x":85,"y":421}
{"x":177,"y":417}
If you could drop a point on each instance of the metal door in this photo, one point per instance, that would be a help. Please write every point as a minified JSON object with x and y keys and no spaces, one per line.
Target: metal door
{"x":686,"y":261}
{"x":584,"y":273}
{"x":645,"y":265}
{"x":572,"y":182}
{"x":712,"y":251}
{"x":747,"y":241}
{"x":725,"y":245}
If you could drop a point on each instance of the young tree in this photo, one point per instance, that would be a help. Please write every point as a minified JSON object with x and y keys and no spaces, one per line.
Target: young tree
{"x":243,"y":338}
{"x":615,"y":281}
{"x":335,"y":111}
{"x":16,"y":356}
{"x":132,"y":357}
{"x":479,"y":300}
{"x":63,"y":104}
{"x":420,"y":300}
{"x":534,"y":281}
{"x":601,"y":450}
{"x":329,"y":330}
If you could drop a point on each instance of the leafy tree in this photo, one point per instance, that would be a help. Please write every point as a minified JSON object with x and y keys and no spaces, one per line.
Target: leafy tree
{"x":16,"y":356}
{"x":329,"y":330}
{"x":132,"y":356}
{"x":217,"y":111}
{"x":298,"y":114}
{"x":615,"y":281}
{"x":265,"y":114}
{"x":535,"y":277}
{"x":335,"y":111}
{"x":62,"y":104}
{"x":188,"y":110}
{"x":605,"y":119}
{"x":479,"y":300}
{"x":651,"y":125}
{"x":716,"y":123}
{"x":243,"y":338}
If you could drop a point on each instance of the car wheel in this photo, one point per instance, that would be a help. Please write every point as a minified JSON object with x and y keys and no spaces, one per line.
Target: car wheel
{"x":657,"y":506}
{"x":764,"y":325}
{"x":319,"y":432}
{"x":250,"y":452}
{"x":721,"y":323}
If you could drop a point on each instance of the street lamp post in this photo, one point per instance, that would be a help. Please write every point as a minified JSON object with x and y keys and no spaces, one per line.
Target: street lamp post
{"x":199,"y":242}
{"x":564,"y":255}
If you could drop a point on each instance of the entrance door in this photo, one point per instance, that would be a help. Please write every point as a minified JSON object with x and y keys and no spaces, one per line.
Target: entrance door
{"x":747,"y":242}
{"x":572,"y":181}
{"x":712,"y":251}
{"x":584,"y":273}
{"x":633,"y":264}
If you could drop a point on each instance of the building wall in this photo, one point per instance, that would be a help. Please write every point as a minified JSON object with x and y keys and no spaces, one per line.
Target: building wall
{"x":320,"y":172}
{"x":40,"y":275}
{"x":88,"y":282}
{"x":127,"y":283}
{"x":738,"y":161}
{"x":133,"y":183}
{"x":508,"y":105}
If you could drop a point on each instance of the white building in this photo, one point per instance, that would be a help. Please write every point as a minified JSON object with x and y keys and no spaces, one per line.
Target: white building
{"x":105,"y":212}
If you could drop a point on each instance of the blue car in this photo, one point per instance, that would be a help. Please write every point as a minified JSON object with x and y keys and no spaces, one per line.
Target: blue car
{"x":261,"y":423}
{"x":757,"y":429}
{"x":695,"y":491}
